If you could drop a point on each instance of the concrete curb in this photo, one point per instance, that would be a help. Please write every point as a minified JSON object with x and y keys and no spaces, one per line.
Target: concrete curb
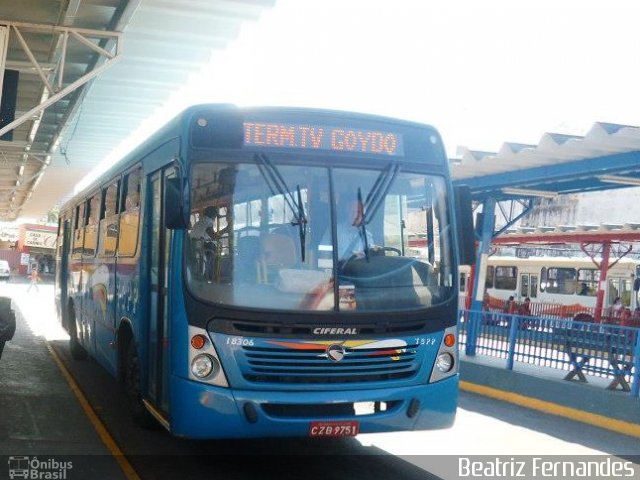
{"x":616,"y":411}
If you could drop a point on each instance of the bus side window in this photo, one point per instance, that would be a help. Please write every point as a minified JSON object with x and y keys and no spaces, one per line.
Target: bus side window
{"x":506,"y":278}
{"x":109,"y":220}
{"x":130,"y":217}
{"x":78,"y":230}
{"x":463,"y":282}
{"x":60,"y":238}
{"x":91,"y":228}
{"x":561,"y":280}
{"x":588,"y":280}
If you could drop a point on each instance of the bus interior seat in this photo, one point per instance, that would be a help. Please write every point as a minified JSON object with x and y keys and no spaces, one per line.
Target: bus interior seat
{"x":247,"y":258}
{"x":289,"y":231}
{"x":278,"y":251}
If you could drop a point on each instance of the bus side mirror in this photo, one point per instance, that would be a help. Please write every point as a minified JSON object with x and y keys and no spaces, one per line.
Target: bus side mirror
{"x":175,"y":209}
{"x":464,"y":224}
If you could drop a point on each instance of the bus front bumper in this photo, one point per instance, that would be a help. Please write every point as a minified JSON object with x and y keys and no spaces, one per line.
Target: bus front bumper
{"x":199,"y":410}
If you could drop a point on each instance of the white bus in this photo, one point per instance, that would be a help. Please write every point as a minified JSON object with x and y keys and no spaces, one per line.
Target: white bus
{"x":557,"y":286}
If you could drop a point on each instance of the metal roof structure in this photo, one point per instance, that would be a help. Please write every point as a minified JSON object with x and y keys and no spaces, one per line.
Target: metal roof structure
{"x":90,"y":71}
{"x":608,"y":156}
{"x":545,"y":235}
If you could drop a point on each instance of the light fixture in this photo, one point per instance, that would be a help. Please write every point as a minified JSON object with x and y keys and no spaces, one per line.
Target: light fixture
{"x":524,"y":192}
{"x":620,"y":180}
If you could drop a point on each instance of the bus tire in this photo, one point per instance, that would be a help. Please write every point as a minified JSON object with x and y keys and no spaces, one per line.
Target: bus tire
{"x":77,"y":351}
{"x":138,"y":411}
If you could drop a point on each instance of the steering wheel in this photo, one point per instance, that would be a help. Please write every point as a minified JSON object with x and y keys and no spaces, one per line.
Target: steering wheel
{"x":387,"y":249}
{"x":373,"y":250}
{"x":245,"y":232}
{"x":343,"y":263}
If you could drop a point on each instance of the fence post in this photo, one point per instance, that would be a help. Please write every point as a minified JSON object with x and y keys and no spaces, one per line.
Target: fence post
{"x":477,"y":292}
{"x":513,"y":335}
{"x":635,"y":383}
{"x":473,"y":320}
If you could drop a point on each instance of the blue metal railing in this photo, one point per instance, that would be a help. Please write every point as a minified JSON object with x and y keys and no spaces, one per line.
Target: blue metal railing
{"x":601,"y":350}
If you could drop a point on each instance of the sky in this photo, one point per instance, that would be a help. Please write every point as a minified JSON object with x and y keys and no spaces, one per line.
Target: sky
{"x":482,"y":72}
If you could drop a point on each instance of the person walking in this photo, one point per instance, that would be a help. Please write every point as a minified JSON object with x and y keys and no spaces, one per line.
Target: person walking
{"x":35,"y":278}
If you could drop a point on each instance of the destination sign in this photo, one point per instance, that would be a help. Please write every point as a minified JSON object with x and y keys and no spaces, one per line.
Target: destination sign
{"x":322,"y":137}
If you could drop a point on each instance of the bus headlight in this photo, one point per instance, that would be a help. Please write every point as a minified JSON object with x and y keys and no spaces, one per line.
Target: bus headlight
{"x":203,"y":365}
{"x":444,"y":362}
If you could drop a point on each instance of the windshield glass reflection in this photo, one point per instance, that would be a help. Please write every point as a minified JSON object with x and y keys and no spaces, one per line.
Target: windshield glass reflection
{"x":263,"y":235}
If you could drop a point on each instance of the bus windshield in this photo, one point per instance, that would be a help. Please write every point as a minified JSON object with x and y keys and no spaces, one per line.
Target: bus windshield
{"x":280,"y":236}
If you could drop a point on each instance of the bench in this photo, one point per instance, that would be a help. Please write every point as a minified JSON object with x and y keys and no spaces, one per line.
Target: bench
{"x":587,"y":344}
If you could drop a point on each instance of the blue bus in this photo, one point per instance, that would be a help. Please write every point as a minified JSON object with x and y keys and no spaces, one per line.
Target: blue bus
{"x":268,"y":272}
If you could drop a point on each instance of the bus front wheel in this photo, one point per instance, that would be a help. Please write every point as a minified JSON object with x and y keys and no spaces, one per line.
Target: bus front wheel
{"x":139,"y":412}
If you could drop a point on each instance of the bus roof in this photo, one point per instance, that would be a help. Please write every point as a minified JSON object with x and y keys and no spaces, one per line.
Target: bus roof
{"x":178,"y":125}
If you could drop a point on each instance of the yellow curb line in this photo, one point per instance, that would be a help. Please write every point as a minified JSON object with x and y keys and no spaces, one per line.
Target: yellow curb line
{"x":104,"y":435}
{"x":618,"y":426}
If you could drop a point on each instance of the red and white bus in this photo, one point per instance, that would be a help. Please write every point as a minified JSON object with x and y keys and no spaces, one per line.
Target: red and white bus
{"x":563,"y":287}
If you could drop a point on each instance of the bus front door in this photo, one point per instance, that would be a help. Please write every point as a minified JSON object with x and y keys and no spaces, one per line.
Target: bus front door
{"x":528,"y":286}
{"x":525,"y":284}
{"x":62,"y":272}
{"x":158,"y":337}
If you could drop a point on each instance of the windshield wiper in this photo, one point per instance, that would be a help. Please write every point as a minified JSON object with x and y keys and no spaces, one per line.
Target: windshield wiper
{"x":302,"y":223}
{"x":379,"y":191}
{"x":276,"y":184}
{"x":368,"y":208}
{"x":375,"y":197}
{"x":361,"y":222}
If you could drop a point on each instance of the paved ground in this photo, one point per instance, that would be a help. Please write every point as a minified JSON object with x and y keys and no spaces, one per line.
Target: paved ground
{"x":39,"y":414}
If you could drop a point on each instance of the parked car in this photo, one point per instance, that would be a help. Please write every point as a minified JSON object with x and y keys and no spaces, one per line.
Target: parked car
{"x":5,"y":270}
{"x":7,"y":321}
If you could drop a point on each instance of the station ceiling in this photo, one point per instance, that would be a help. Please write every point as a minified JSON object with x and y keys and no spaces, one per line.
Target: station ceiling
{"x":115,"y":61}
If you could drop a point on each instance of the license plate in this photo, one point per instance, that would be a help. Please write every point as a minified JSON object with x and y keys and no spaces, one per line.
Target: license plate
{"x":334,"y":429}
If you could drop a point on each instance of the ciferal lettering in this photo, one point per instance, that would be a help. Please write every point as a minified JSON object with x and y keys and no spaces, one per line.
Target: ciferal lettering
{"x":335,"y":331}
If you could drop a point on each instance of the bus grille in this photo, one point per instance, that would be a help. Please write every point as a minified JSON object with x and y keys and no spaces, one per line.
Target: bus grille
{"x":312,"y":365}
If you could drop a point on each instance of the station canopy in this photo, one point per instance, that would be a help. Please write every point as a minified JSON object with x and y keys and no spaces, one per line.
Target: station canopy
{"x":607,"y":157}
{"x":84,"y":74}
